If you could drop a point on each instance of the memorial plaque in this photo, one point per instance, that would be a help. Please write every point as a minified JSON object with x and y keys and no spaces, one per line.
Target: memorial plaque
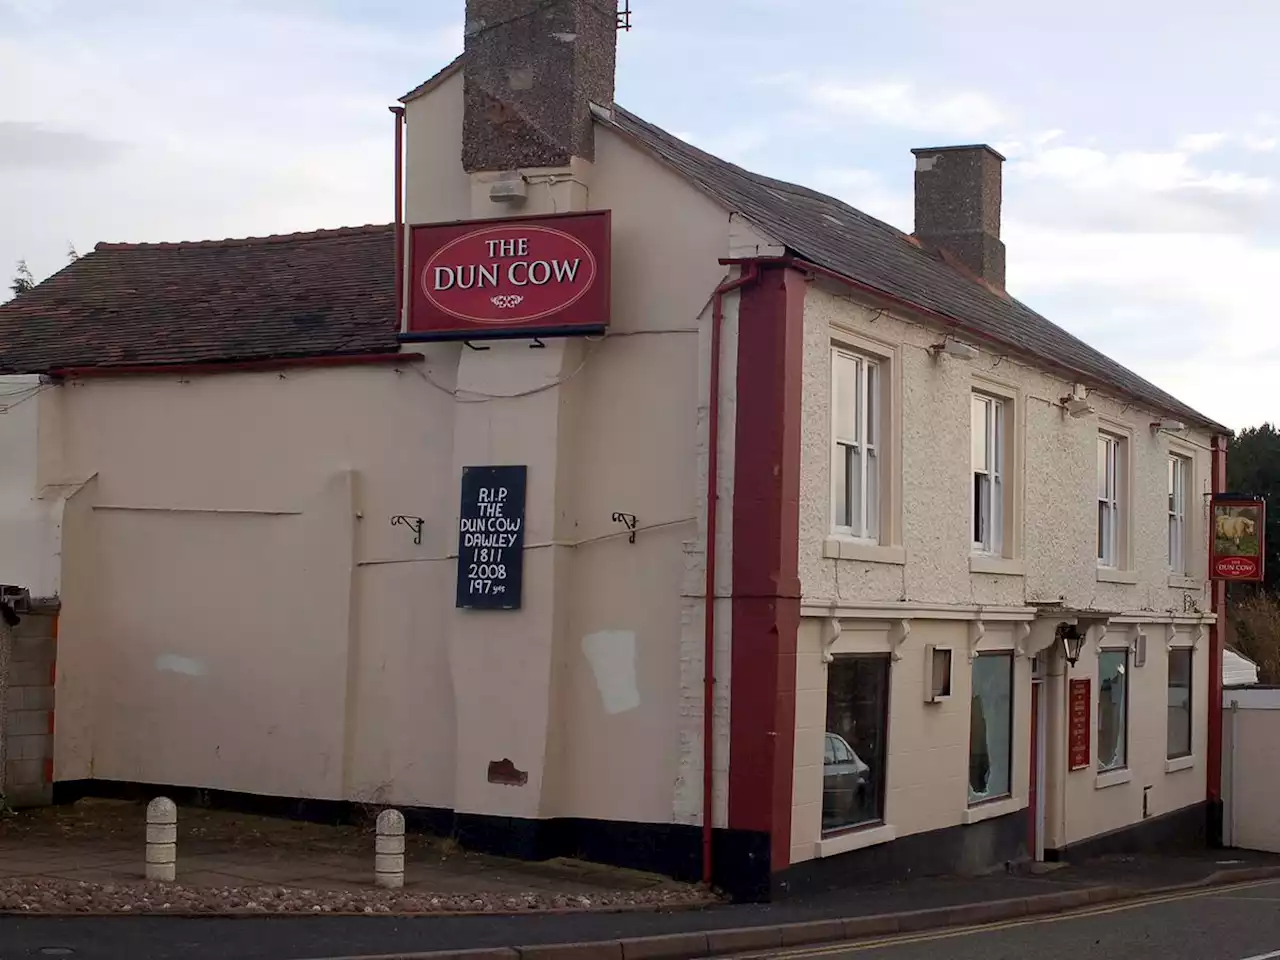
{"x":491,"y":538}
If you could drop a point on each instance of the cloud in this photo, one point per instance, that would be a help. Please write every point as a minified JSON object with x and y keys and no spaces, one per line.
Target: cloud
{"x":1200,"y":142}
{"x":237,"y":118}
{"x":24,"y":144}
{"x":1169,"y":191}
{"x":900,"y":105}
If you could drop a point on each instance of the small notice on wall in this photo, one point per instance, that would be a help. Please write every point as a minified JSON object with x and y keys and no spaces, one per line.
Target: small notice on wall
{"x":1079,"y":740}
{"x":1238,"y":539}
{"x":491,"y":538}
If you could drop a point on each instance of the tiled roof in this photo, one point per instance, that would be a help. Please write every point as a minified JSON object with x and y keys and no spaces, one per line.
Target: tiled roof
{"x":303,"y":294}
{"x":836,"y":236}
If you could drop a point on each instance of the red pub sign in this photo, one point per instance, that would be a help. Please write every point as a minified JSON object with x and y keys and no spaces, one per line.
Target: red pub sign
{"x":1237,"y":538}
{"x":522,"y":277}
{"x":1079,"y":738}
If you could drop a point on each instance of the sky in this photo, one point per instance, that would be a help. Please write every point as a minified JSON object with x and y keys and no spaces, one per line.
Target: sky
{"x":1141,"y":192}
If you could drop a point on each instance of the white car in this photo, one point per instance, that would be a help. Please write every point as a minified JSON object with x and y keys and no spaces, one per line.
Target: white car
{"x":844,"y":781}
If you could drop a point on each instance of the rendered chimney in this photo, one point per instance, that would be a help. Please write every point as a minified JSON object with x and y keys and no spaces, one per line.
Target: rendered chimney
{"x":958,"y":206}
{"x":533,"y":68}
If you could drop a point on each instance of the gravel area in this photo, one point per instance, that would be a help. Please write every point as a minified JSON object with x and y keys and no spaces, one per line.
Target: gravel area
{"x":39,"y":895}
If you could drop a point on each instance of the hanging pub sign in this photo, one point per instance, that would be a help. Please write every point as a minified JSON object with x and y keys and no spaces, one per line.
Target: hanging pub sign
{"x":1237,"y":538}
{"x":491,"y":538}
{"x":524,"y":277}
{"x":1079,"y":737}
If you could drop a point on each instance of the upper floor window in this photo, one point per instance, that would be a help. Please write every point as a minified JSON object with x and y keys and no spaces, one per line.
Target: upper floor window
{"x":1110,"y":467}
{"x":987,"y":439}
{"x":855,"y":428}
{"x":1179,"y":484}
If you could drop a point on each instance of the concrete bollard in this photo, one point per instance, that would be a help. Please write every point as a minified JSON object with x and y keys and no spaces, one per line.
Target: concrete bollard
{"x":388,"y":851}
{"x":162,"y":840}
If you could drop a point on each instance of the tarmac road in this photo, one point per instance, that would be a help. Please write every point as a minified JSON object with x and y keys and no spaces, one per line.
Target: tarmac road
{"x":1234,"y":923}
{"x":1225,"y":923}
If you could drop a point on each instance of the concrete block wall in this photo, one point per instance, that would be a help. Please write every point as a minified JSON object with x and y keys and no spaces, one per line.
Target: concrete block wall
{"x":29,"y":728}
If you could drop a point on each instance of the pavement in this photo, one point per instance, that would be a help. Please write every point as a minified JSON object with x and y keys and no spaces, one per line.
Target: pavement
{"x":912,"y":909}
{"x":100,"y":842}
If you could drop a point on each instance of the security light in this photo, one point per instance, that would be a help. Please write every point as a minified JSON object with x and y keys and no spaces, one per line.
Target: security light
{"x":955,"y":348}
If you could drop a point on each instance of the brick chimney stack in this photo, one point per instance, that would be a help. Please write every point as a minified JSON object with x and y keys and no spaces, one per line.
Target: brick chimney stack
{"x":958,"y":206}
{"x":533,"y":68}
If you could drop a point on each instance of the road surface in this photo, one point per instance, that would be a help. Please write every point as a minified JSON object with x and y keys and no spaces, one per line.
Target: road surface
{"x":1235,"y":923}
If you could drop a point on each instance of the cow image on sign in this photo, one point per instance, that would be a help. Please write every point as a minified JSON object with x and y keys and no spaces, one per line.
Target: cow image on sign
{"x":528,"y":277}
{"x":491,"y":538}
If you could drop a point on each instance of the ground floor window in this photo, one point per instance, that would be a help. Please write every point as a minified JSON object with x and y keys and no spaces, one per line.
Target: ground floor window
{"x":1113,"y":709}
{"x":854,"y":751}
{"x":991,"y":727}
{"x":1179,"y":703}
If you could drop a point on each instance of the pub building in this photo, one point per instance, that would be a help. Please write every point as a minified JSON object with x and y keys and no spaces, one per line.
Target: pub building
{"x":618,"y":502}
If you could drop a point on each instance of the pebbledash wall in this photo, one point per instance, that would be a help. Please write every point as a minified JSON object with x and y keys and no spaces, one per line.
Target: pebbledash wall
{"x":241,"y":588}
{"x":924,"y":586}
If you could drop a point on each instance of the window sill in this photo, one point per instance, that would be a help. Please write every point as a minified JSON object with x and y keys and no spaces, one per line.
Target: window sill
{"x":855,"y":840}
{"x":1002,"y":566}
{"x":846,"y":548}
{"x":991,"y":809}
{"x":1180,"y":763}
{"x":1111,"y":575}
{"x":1113,"y":778}
{"x":1185,"y":583}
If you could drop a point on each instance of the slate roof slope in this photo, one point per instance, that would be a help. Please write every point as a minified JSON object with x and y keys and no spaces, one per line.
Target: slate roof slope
{"x":302,"y":294}
{"x":839,"y":237}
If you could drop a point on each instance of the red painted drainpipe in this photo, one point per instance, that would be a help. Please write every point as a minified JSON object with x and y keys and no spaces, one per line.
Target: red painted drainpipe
{"x":750,"y":272}
{"x":399,"y":219}
{"x":1213,"y":750}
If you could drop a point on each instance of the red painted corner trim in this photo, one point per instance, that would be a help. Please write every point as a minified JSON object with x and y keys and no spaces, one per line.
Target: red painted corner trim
{"x":240,"y":366}
{"x":1218,"y":601}
{"x":766,"y":582}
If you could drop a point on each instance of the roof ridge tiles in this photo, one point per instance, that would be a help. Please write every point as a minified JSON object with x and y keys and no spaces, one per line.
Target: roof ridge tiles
{"x":300,"y":236}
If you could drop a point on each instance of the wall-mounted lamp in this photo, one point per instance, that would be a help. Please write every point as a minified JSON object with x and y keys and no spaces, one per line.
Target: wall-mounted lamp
{"x":1173,"y":426}
{"x":1076,"y":403}
{"x":1077,"y":407}
{"x":1072,"y":639}
{"x":954,"y":348}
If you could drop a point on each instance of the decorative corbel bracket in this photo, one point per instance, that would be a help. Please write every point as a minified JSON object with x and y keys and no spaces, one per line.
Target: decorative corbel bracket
{"x":977,"y":630}
{"x":1201,"y":632}
{"x":1170,"y":635}
{"x":897,"y":637}
{"x":1021,"y":637}
{"x":1099,"y":634}
{"x":831,"y":634}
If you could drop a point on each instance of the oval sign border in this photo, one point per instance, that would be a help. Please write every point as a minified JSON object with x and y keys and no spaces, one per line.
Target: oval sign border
{"x":1223,"y":567}
{"x":532,"y":228}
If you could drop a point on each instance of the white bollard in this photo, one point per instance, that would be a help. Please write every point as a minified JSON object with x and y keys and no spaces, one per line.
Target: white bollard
{"x":388,"y":851}
{"x":162,"y":840}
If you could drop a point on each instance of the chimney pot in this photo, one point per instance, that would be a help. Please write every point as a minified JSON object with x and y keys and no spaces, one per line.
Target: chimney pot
{"x":958,"y":193}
